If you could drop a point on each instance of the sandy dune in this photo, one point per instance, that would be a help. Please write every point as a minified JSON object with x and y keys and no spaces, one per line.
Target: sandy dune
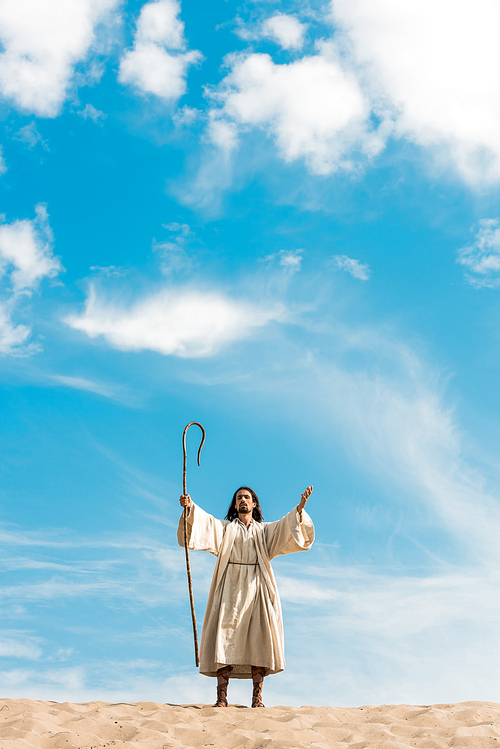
{"x":149,"y":725}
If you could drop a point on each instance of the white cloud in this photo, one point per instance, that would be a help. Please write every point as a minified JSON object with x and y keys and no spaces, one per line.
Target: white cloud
{"x":26,"y":257}
{"x":158,"y":23}
{"x":185,"y":116}
{"x":153,"y":70}
{"x":26,"y":247}
{"x":313,"y":107}
{"x":290,"y":260}
{"x":420,"y":71}
{"x":482,"y":258}
{"x":433,"y":64}
{"x":13,"y":337}
{"x":222,"y":133}
{"x":175,"y":322}
{"x":42,"y":44}
{"x":287,"y":30}
{"x":157,"y":64}
{"x":354,"y":267}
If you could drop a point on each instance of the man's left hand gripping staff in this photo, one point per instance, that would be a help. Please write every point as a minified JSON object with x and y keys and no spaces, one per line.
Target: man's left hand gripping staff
{"x":303,"y":498}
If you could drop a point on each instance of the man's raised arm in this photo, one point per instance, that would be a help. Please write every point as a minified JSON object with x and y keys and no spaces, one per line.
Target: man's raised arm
{"x":303,"y":499}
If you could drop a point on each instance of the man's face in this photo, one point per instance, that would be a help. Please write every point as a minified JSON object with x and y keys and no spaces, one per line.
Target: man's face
{"x":244,"y":502}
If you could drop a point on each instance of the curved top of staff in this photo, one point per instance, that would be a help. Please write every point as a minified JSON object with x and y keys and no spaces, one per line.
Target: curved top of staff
{"x":196,"y":423}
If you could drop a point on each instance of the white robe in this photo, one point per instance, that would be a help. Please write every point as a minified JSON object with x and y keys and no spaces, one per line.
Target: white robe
{"x":243,"y":625}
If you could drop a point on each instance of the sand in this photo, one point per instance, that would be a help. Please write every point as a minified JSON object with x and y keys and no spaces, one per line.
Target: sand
{"x":150,"y":725}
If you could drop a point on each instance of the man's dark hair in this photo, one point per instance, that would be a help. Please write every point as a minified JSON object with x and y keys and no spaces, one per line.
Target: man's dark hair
{"x":256,"y":512}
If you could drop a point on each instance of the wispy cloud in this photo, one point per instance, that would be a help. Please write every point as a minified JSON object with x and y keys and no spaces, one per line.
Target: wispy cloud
{"x":18,"y":644}
{"x":123,"y":567}
{"x":110,"y":271}
{"x":392,"y":637}
{"x":112,"y":681}
{"x":408,"y":437}
{"x":482,"y":257}
{"x":3,"y":165}
{"x":351,"y":266}
{"x":54,"y":589}
{"x":82,"y":383}
{"x":90,"y":112}
{"x":30,"y":135}
{"x":48,"y":681}
{"x":214,"y":174}
{"x":172,"y":252}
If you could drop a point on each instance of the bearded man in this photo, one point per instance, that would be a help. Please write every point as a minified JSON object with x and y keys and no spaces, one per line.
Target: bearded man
{"x":242,"y":633}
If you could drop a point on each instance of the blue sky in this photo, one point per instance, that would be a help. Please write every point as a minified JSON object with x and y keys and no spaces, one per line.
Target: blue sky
{"x":281,"y":220}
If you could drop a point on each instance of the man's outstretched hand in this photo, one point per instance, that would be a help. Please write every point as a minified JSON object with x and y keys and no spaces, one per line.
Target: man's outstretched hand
{"x":185,"y":500}
{"x":303,"y":498}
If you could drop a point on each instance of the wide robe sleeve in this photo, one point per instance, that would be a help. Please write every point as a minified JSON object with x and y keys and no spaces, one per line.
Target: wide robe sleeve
{"x":292,"y":533}
{"x":205,"y":533}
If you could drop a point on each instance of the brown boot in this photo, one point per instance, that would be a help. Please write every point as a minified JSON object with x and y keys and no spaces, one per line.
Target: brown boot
{"x":222,"y":682}
{"x":258,"y":673}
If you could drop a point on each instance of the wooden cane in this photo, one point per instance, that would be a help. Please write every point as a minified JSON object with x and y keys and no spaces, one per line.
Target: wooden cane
{"x":188,"y":566}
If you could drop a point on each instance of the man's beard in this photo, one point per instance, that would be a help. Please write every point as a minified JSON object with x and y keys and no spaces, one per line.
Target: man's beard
{"x":244,"y":510}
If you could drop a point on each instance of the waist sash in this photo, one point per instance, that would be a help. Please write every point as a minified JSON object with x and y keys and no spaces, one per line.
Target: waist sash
{"x":245,"y":564}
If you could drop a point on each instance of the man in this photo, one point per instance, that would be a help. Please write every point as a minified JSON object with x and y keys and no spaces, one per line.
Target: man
{"x":243,"y":628}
